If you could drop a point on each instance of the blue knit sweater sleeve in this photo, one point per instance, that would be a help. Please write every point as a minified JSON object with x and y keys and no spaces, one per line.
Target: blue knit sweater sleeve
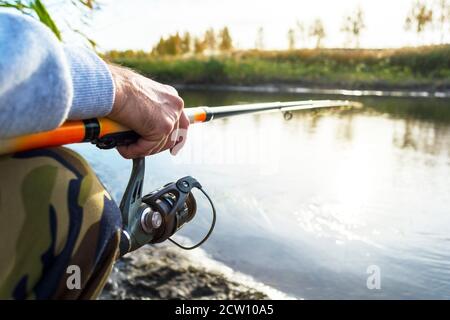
{"x":43,"y":83}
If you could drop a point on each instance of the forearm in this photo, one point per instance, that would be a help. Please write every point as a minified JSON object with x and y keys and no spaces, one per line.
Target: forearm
{"x":43,"y":83}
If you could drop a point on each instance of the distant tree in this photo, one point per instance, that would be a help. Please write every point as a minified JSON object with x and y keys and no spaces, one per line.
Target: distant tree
{"x":172,"y":46}
{"x":210,"y":39}
{"x":199,"y":46}
{"x":419,"y":17}
{"x":317,"y":31}
{"x":186,"y":43}
{"x":259,"y":43}
{"x":291,"y":39}
{"x":159,"y":49}
{"x":443,"y":18}
{"x":353,"y":25}
{"x":301,"y":34}
{"x":226,"y":43}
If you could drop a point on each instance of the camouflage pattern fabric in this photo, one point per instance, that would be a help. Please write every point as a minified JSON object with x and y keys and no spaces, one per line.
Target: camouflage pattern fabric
{"x":54,"y":213}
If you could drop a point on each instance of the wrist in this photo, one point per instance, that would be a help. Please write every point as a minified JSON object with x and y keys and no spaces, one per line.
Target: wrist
{"x":119,"y":79}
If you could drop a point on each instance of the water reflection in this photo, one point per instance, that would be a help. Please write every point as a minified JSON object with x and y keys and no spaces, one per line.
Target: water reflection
{"x":354,"y":188}
{"x":423,"y":126}
{"x":321,"y":91}
{"x":422,"y":136}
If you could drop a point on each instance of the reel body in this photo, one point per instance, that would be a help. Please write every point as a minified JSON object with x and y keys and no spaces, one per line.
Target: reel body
{"x":155,"y":217}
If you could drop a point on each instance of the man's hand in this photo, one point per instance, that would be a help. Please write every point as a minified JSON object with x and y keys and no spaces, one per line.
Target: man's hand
{"x":153,"y":110}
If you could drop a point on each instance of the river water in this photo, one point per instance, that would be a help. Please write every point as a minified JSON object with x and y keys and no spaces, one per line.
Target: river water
{"x":336,"y":204}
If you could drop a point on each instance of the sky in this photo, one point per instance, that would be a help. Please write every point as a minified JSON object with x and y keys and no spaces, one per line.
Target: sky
{"x":138,"y":24}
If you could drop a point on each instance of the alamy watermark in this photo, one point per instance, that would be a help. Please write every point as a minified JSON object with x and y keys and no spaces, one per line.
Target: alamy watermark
{"x":374,"y":279}
{"x":259,"y":148}
{"x":73,"y":281}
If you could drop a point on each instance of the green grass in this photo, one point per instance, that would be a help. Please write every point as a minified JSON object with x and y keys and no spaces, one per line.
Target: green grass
{"x":425,"y":67}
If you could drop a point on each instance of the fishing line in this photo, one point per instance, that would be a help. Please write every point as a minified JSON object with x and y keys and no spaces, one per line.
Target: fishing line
{"x":213,"y":223}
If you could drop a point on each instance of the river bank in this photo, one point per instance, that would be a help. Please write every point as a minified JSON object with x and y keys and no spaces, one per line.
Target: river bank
{"x":417,"y":69}
{"x":164,"y":272}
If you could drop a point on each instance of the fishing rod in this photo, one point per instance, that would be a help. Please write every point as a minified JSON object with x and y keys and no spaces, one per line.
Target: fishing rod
{"x":157,"y":216}
{"x":106,"y":133}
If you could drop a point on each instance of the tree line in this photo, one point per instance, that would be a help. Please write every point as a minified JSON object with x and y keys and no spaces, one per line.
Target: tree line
{"x":211,"y":42}
{"x":421,"y":17}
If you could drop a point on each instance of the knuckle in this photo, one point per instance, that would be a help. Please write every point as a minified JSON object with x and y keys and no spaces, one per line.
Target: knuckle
{"x":178,"y":103}
{"x":171,"y":90}
{"x":166,"y":126}
{"x":126,"y":155}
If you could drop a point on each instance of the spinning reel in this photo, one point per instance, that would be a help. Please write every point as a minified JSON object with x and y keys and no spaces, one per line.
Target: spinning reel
{"x":155,"y":217}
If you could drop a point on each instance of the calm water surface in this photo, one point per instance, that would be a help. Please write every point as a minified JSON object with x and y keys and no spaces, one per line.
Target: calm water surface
{"x":308,"y":205}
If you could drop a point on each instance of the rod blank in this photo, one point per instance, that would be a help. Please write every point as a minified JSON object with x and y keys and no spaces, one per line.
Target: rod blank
{"x":205,"y":114}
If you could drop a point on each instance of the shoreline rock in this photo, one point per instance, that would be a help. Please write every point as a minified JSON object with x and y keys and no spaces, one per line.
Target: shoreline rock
{"x":162,"y":272}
